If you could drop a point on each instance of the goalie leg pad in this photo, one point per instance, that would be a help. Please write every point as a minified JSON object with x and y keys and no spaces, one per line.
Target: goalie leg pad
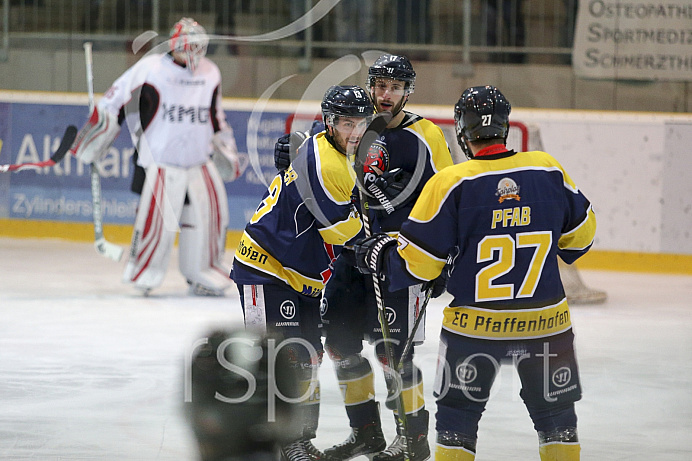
{"x":156,"y":226}
{"x":203,"y":224}
{"x":96,"y":136}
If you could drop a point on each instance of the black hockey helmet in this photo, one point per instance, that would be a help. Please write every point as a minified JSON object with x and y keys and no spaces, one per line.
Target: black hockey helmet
{"x":228,"y":384}
{"x":482,"y":112}
{"x":345,"y":101}
{"x":395,"y":67}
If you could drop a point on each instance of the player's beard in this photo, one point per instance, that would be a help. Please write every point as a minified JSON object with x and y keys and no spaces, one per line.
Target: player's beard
{"x":395,"y":109}
{"x":341,"y":142}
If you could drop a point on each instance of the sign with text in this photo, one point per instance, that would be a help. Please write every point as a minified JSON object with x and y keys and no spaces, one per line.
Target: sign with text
{"x":32,"y":132}
{"x":636,"y":40}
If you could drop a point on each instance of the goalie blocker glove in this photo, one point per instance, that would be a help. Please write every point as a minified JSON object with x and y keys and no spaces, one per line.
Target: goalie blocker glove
{"x":96,"y":136}
{"x":371,"y":251}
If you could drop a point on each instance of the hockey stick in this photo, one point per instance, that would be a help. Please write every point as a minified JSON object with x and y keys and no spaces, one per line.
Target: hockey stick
{"x":67,"y":139}
{"x":409,"y":340}
{"x":378,"y":124}
{"x":102,"y":246}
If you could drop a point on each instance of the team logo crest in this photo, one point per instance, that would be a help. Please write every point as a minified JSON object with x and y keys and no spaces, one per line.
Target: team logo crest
{"x":507,"y":189}
{"x":288,"y":310}
{"x":377,"y":160}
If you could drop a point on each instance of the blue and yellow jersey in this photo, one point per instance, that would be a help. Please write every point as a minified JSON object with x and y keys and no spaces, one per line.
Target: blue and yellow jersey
{"x":418,"y":146}
{"x":505,"y":217}
{"x":305,"y":217}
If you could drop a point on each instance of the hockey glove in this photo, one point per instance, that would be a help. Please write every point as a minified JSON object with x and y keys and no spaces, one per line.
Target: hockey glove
{"x":384,"y":188}
{"x":371,"y":251}
{"x":438,"y":285}
{"x":282,"y":155}
{"x":289,"y":141}
{"x":96,"y":136}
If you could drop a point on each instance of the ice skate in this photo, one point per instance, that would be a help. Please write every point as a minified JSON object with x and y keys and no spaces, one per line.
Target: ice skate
{"x":197,"y":289}
{"x":295,"y":452}
{"x":363,"y":441}
{"x":395,"y":452}
{"x":303,"y":450}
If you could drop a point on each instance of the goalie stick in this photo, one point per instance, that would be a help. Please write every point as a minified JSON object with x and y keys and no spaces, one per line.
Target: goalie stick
{"x":102,"y":246}
{"x":65,"y":143}
{"x":378,"y":124}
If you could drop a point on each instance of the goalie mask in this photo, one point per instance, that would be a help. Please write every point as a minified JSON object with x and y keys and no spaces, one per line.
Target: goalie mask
{"x":232,"y":376}
{"x":392,"y":67}
{"x":344,"y":101}
{"x":188,"y":42}
{"x":481,"y":113}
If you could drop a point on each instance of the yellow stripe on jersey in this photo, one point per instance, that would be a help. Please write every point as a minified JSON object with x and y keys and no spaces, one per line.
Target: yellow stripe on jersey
{"x":334,"y":171}
{"x":434,"y":139}
{"x":581,"y":236}
{"x":419,"y":262}
{"x":341,"y":232}
{"x":253,"y":255}
{"x":508,"y":324}
{"x":440,"y":186}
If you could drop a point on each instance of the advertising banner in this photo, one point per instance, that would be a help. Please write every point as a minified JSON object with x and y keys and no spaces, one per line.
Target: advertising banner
{"x":31,"y":132}
{"x":633,"y":39}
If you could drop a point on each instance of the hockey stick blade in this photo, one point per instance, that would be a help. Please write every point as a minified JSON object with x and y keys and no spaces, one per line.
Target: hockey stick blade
{"x":102,"y":246}
{"x":108,"y":249}
{"x":65,"y":144}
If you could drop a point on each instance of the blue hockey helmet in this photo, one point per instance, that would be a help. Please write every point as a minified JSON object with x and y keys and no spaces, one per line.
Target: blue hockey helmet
{"x":345,"y":101}
{"x":395,"y":67}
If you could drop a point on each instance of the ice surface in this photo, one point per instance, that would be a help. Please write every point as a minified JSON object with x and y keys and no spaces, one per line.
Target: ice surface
{"x":91,"y":370}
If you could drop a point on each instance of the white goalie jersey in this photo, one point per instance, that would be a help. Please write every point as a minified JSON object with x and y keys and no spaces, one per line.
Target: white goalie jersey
{"x":172,"y":113}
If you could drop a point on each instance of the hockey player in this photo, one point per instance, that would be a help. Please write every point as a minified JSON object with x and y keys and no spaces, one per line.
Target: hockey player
{"x":172,"y":104}
{"x":507,"y":216}
{"x":285,"y":255}
{"x":409,"y":151}
{"x":237,"y":392}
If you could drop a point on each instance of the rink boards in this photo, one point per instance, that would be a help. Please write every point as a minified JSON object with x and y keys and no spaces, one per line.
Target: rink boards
{"x":632,"y":166}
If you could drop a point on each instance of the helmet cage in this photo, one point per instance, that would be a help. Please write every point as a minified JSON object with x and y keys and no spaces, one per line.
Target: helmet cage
{"x":189,"y":39}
